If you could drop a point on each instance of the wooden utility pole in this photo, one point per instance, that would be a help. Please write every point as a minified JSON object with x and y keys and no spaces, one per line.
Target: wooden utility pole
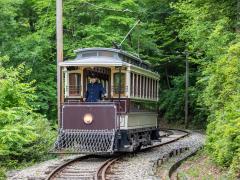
{"x":59,"y":30}
{"x":186,"y":90}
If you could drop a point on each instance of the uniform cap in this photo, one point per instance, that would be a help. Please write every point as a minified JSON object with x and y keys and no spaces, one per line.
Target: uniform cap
{"x":93,"y":75}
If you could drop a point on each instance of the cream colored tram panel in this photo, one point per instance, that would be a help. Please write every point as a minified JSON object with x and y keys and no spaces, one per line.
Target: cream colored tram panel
{"x":138,"y":120}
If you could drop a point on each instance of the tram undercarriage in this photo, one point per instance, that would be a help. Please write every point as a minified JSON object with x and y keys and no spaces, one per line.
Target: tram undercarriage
{"x":104,"y":141}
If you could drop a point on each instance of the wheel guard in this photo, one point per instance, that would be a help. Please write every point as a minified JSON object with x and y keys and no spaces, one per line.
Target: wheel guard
{"x":84,"y":141}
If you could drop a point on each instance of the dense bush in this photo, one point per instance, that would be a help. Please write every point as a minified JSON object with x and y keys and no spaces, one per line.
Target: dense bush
{"x":24,"y":135}
{"x":222,"y":96}
{"x":172,"y":101}
{"x":211,"y":29}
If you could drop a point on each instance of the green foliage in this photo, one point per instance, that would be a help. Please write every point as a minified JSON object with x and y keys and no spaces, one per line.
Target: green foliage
{"x":171,"y":101}
{"x":222,"y":96}
{"x":30,"y":36}
{"x":3,"y":173}
{"x":99,"y":23}
{"x":24,"y":134}
{"x":28,"y":41}
{"x":209,"y":27}
{"x":13,"y":93}
{"x":222,"y":81}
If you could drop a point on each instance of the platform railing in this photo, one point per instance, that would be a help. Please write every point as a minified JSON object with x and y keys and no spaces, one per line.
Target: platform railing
{"x":73,"y":90}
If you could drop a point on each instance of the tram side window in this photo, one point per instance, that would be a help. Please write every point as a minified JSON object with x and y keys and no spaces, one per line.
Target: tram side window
{"x":132,"y":84}
{"x":143,"y":106}
{"x":139,"y":85}
{"x":135,"y":85}
{"x":156,"y":88}
{"x":150,"y":88}
{"x":74,"y":85}
{"x":117,"y":81}
{"x":142,"y":88}
{"x":145,"y":87}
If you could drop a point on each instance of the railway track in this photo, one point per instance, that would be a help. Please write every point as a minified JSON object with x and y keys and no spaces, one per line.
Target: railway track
{"x":108,"y":170}
{"x":172,"y":135}
{"x":101,"y":168}
{"x":83,"y":167}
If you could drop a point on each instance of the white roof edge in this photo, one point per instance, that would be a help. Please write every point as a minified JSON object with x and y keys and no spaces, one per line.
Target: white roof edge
{"x":91,"y":64}
{"x":95,"y":49}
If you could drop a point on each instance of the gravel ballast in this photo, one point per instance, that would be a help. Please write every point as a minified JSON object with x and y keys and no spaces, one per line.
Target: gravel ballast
{"x":142,"y":165}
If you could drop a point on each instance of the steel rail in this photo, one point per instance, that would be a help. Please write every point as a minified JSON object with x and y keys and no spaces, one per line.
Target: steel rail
{"x":102,"y":170}
{"x":64,"y":165}
{"x":101,"y":173}
{"x":186,"y":133}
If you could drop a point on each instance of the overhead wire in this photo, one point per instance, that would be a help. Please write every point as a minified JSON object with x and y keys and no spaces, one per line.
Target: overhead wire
{"x":119,"y":10}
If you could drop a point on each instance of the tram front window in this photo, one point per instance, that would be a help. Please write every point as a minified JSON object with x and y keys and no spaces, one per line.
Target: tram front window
{"x":74,"y":84}
{"x":95,"y":90}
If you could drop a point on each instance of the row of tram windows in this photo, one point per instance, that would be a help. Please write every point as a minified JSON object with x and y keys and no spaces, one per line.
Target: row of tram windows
{"x":141,"y":87}
{"x":73,"y":84}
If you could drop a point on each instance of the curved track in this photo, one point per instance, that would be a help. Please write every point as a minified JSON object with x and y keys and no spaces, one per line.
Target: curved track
{"x":172,"y":136}
{"x":99,"y":167}
{"x":104,"y":172}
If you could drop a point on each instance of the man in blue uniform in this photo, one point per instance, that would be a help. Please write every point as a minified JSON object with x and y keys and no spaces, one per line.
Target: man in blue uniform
{"x":95,"y":90}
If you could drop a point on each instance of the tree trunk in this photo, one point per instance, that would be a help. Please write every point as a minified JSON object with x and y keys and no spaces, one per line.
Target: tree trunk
{"x":166,"y":73}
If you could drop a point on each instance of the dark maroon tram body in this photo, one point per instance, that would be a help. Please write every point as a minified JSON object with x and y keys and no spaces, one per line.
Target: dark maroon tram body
{"x":103,"y":114}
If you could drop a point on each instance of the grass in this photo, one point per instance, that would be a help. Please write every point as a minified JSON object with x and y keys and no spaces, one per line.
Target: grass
{"x":201,"y":167}
{"x":2,"y":173}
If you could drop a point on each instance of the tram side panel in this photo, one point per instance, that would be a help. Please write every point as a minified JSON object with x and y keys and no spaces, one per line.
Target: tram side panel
{"x":137,"y":129}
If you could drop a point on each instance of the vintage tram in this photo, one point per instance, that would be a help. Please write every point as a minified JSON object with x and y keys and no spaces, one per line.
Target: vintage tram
{"x":125,"y":120}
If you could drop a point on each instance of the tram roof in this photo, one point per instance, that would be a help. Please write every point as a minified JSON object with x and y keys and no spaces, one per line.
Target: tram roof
{"x":120,"y":51}
{"x":117,"y":57}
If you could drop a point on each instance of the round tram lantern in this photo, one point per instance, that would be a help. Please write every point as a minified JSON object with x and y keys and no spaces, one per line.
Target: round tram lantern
{"x":88,"y":118}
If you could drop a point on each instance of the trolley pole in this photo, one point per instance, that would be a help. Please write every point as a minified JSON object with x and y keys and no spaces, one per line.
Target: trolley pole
{"x":186,"y":90}
{"x":59,"y":37}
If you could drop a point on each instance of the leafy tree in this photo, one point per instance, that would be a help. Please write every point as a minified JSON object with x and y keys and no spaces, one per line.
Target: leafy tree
{"x":210,"y":30}
{"x":24,"y":134}
{"x":207,"y":29}
{"x":222,"y":96}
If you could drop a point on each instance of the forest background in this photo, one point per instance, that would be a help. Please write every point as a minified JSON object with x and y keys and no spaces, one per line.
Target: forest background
{"x":204,"y":31}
